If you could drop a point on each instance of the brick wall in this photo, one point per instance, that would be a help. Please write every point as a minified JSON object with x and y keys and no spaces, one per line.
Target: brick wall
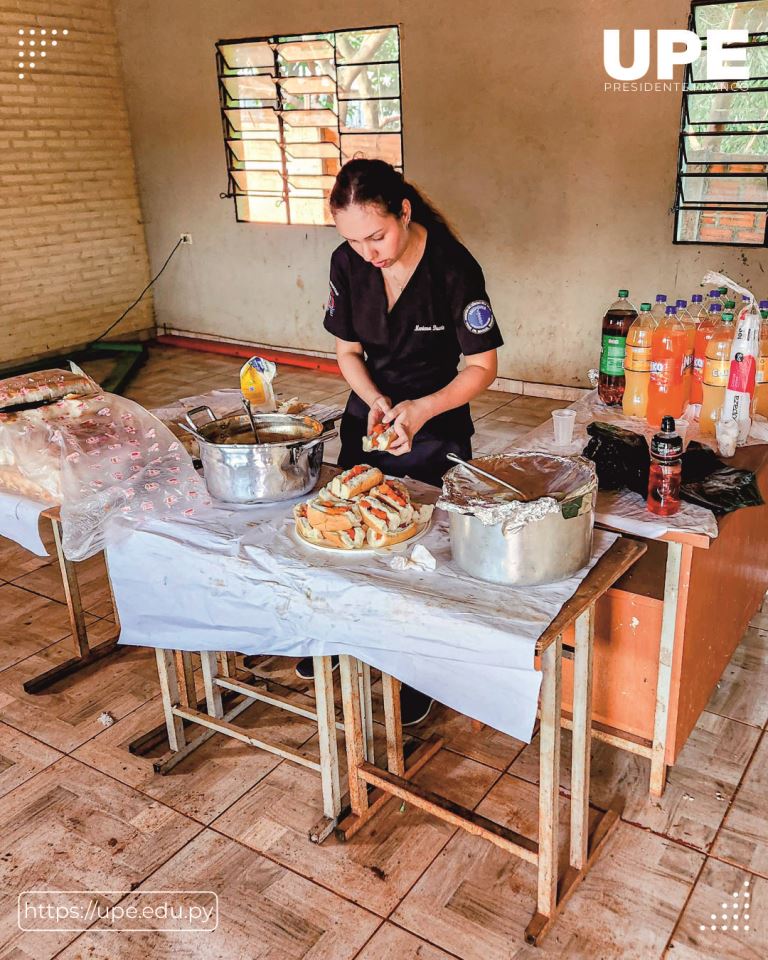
{"x":72,"y":248}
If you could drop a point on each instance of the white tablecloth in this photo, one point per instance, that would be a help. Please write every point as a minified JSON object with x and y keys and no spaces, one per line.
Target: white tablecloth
{"x":240,"y":580}
{"x":20,"y":521}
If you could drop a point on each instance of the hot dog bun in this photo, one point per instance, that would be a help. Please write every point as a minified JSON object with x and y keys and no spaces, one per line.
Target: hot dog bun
{"x":351,"y":539}
{"x":378,"y":515}
{"x":307,"y":531}
{"x":394,"y":495}
{"x":352,"y":483}
{"x":327,"y":517}
{"x":378,"y":538}
{"x":380,"y":438}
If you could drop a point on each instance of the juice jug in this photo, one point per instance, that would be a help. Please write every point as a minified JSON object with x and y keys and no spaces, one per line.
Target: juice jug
{"x":704,"y":333}
{"x":616,"y":322}
{"x":666,"y":390}
{"x":637,"y":363}
{"x":717,"y":366}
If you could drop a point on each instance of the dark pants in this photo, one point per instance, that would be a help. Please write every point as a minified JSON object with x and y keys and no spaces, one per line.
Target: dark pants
{"x":426,"y":461}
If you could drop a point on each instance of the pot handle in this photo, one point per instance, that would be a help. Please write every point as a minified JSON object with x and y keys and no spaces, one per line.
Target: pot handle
{"x":304,"y":446}
{"x":189,"y":415}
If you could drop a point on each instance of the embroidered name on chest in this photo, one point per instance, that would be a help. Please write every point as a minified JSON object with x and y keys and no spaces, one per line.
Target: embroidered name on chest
{"x":432,"y":328}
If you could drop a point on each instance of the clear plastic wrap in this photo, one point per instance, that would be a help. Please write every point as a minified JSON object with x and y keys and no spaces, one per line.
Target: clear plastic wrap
{"x":97,"y":456}
{"x":550,"y":484}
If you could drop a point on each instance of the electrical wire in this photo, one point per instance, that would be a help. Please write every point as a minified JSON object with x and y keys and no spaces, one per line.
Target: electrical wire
{"x":138,"y":299}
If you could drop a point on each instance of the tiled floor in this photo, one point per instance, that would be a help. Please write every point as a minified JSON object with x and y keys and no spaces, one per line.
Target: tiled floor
{"x":78,"y":811}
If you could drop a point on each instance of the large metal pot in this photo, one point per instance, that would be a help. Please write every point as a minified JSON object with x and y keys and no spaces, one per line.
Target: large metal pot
{"x":544,"y":550}
{"x":283,"y":465}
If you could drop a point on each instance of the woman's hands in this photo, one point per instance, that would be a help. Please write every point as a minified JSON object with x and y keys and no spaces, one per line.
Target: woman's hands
{"x":408,"y":418}
{"x":378,"y":410}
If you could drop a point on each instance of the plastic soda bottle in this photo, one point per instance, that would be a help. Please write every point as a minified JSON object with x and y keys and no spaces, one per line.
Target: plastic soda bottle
{"x":616,"y":323}
{"x":717,"y":366}
{"x":714,"y":297}
{"x":637,"y":363}
{"x":697,"y":309}
{"x":659,"y":308}
{"x":666,"y":470}
{"x":761,"y":390}
{"x":704,"y":333}
{"x":666,"y":389}
{"x":684,"y":316}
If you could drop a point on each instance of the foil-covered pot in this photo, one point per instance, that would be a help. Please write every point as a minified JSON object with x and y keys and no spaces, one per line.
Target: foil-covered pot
{"x":284,"y":464}
{"x":541,"y":537}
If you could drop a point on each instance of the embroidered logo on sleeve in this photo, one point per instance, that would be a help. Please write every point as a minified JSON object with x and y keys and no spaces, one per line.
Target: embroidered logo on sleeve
{"x":478,"y":316}
{"x":331,"y":307}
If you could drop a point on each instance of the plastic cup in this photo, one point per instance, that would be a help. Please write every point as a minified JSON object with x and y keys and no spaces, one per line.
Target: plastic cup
{"x":727,"y":433}
{"x":563,"y":421}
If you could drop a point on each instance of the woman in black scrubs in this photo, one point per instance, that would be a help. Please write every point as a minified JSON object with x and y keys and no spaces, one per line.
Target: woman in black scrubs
{"x":407,"y":299}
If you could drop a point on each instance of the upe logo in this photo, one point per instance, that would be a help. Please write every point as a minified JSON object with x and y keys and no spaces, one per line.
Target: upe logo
{"x":675,"y":47}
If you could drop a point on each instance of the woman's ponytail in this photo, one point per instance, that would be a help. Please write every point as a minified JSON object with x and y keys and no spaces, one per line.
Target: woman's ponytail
{"x":377,"y":182}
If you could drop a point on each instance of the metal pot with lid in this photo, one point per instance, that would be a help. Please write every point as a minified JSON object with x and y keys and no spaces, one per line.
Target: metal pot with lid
{"x":539,"y":534}
{"x":284,"y":463}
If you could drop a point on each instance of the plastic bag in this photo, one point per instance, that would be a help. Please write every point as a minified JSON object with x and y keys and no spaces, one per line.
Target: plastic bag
{"x":745,"y":351}
{"x":99,"y":456}
{"x":708,"y":482}
{"x":621,"y":457}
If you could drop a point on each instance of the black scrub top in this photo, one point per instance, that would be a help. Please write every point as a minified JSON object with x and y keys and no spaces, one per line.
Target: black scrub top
{"x":414,"y":349}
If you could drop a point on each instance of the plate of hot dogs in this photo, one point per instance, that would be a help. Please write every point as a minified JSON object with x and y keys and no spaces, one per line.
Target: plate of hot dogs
{"x":361,"y":510}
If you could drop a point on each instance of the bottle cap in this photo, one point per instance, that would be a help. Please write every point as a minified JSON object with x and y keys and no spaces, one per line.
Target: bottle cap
{"x":714,"y":293}
{"x":682,"y":304}
{"x":730,"y":304}
{"x":727,"y":317}
{"x":671,"y":311}
{"x":623,"y":294}
{"x":723,"y":290}
{"x":696,"y":298}
{"x":716,"y":308}
{"x":764,"y":304}
{"x":667,"y":445}
{"x":645,"y":307}
{"x":661,"y":298}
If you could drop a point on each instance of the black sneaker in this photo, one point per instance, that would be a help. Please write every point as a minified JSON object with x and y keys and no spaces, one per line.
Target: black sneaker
{"x":414,"y":706}
{"x":305,"y":669}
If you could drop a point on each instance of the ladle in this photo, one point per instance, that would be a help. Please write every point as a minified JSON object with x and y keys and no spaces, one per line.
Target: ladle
{"x":247,"y":405}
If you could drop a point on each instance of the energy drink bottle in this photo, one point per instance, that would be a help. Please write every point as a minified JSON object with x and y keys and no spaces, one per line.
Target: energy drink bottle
{"x":666,"y":470}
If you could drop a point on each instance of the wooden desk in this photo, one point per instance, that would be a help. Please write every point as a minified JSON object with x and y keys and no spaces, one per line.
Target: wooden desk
{"x":667,"y":629}
{"x":576,"y":616}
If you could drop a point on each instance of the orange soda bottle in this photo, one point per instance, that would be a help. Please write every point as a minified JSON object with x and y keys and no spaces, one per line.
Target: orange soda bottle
{"x":666,"y":389}
{"x":637,"y":363}
{"x":704,"y":333}
{"x":717,"y":368}
{"x":761,"y":388}
{"x":685,"y":317}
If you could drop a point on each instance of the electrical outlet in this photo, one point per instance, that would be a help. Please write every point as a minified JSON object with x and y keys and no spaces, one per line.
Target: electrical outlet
{"x":186,"y":238}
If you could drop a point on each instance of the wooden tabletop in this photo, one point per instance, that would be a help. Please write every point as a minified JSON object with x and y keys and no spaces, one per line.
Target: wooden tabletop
{"x":613,"y":564}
